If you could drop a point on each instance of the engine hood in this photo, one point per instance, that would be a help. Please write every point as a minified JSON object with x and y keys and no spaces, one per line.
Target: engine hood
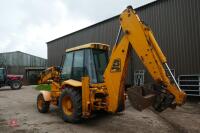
{"x":12,"y":76}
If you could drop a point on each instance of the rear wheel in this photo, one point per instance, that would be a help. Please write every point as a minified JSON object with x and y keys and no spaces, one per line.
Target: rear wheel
{"x":16,"y":84}
{"x":42,"y":105}
{"x":71,"y":105}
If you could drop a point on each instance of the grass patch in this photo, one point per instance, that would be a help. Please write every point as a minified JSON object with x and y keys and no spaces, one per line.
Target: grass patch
{"x":45,"y":87}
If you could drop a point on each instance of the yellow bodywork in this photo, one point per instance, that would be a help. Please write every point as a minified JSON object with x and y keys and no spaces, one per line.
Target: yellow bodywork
{"x":49,"y":74}
{"x":143,"y":42}
{"x":72,"y":82}
{"x":86,"y":98}
{"x":138,"y":37}
{"x":114,"y":79}
{"x":46,"y":95}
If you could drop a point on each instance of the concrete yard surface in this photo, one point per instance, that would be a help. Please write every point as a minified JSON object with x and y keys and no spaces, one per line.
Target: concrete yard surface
{"x":18,"y":114}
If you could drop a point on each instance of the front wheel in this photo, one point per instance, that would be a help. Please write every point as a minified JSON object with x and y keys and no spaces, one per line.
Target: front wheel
{"x":71,"y":105}
{"x":16,"y":84}
{"x":42,"y":105}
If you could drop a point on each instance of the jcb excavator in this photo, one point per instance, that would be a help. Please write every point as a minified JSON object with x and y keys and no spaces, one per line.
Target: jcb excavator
{"x":91,"y":81}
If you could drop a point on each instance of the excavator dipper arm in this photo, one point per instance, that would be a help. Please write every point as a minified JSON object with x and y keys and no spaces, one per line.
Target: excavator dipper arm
{"x":51,"y":73}
{"x":139,"y":37}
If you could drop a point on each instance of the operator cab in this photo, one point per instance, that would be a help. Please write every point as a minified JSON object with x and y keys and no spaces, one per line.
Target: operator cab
{"x":86,"y":60}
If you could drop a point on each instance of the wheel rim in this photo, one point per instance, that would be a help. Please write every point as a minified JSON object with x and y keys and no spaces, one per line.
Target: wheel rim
{"x":40,"y":102}
{"x":67,"y":105}
{"x":16,"y":85}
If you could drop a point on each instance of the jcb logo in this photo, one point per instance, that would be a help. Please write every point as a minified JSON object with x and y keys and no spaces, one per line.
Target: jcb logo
{"x":116,"y":66}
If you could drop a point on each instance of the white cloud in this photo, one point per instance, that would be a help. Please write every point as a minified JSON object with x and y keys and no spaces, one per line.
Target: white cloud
{"x":26,"y":25}
{"x":101,"y":9}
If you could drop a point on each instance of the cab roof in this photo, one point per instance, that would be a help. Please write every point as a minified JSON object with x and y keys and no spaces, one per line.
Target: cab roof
{"x":100,"y":46}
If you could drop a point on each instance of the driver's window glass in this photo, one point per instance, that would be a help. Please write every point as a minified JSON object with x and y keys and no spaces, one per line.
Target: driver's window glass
{"x":77,"y":69}
{"x":101,"y":61}
{"x":66,"y":71}
{"x":89,"y":65}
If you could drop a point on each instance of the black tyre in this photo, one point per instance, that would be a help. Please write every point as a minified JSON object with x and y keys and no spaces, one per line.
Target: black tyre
{"x":16,"y":84}
{"x":42,"y":105}
{"x":71,"y":105}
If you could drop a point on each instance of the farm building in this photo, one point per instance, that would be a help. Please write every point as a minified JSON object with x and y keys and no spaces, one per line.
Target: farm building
{"x":23,"y":64}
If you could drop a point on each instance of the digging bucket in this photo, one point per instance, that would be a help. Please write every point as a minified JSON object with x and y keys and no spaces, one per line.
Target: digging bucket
{"x":141,"y":97}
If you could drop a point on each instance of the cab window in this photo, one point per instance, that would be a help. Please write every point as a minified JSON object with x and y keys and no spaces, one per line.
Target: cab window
{"x":100,"y":61}
{"x":77,"y":69}
{"x":89,"y":66}
{"x":67,"y":67}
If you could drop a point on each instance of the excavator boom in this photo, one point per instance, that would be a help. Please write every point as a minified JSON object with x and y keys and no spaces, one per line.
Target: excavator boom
{"x":139,"y":37}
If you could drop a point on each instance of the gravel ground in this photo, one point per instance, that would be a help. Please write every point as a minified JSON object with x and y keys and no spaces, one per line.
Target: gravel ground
{"x":18,"y":114}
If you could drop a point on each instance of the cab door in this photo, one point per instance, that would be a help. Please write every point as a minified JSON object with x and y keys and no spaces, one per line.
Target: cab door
{"x":67,"y":67}
{"x":77,"y":67}
{"x":73,"y":66}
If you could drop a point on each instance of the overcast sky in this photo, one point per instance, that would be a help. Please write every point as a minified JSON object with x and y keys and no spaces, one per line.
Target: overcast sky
{"x":26,"y":25}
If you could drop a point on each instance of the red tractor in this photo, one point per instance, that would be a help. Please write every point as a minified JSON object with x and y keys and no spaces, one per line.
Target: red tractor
{"x":14,"y":81}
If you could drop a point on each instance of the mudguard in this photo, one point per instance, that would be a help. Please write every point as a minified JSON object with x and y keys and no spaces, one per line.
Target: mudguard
{"x":73,"y":83}
{"x":46,"y":95}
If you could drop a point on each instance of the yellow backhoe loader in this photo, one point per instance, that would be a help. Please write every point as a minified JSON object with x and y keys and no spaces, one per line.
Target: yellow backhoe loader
{"x":91,"y":81}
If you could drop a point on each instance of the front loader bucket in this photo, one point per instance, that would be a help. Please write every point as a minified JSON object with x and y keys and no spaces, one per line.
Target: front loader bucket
{"x":141,"y":97}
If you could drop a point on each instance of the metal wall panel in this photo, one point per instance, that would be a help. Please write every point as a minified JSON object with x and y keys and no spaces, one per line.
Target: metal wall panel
{"x":175,"y":23}
{"x":22,"y":59}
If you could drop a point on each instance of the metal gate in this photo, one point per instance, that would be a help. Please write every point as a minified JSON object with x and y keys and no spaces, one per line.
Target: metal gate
{"x":139,"y":77}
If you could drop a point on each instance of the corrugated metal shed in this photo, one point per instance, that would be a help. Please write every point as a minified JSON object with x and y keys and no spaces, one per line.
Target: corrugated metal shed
{"x":23,"y":64}
{"x":175,"y":24}
{"x":18,"y":58}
